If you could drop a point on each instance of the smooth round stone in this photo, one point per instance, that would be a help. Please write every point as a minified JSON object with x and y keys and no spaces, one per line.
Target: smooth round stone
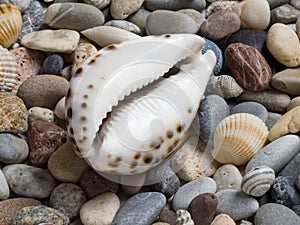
{"x":121,"y":9}
{"x":275,"y":3}
{"x":65,"y":165}
{"x":284,"y":14}
{"x":13,"y":148}
{"x":276,"y":154}
{"x":272,"y":119}
{"x":220,"y":24}
{"x":287,"y":81}
{"x":21,"y":4}
{"x":59,"y":109}
{"x":126,"y":25}
{"x":254,"y":14}
{"x":190,"y":190}
{"x":283,"y":43}
{"x":223,"y":219}
{"x":236,"y":204}
{"x":213,"y":109}
{"x":43,"y":90}
{"x":4,"y":188}
{"x":61,"y":40}
{"x":147,"y":205}
{"x":228,"y":177}
{"x":295,"y":102}
{"x":53,"y":64}
{"x":209,"y":45}
{"x":67,"y":198}
{"x":292,"y":169}
{"x":253,"y":108}
{"x":139,"y":18}
{"x":73,"y":16}
{"x":165,"y":21}
{"x":275,"y":214}
{"x":219,"y":5}
{"x":100,"y":210}
{"x":29,"y":181}
{"x":39,"y":214}
{"x":273,"y":100}
{"x":168,"y":216}
{"x":174,"y":4}
{"x":10,"y":206}
{"x":40,"y":113}
{"x":195,"y":15}
{"x":100,"y":4}
{"x":295,"y":3}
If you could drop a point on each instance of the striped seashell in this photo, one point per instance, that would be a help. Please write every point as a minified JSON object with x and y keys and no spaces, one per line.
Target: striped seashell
{"x":238,"y":137}
{"x":10,"y":24}
{"x":184,"y":217}
{"x":228,"y":86}
{"x":258,"y":181}
{"x":9,"y":69}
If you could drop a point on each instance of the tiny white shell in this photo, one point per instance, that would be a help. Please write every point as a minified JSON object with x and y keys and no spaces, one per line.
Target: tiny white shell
{"x":184,"y":217}
{"x":39,"y":113}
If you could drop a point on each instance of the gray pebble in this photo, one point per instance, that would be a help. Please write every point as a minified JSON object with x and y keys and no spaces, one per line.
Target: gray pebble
{"x":295,"y":3}
{"x":4,"y":188}
{"x":195,"y":15}
{"x":126,"y":25}
{"x":228,"y":177}
{"x":253,"y":108}
{"x":13,"y":149}
{"x":174,"y":4}
{"x":139,"y":18}
{"x":284,"y":14}
{"x":190,"y":190}
{"x":236,"y":204}
{"x":298,"y":182}
{"x":292,"y":169}
{"x":275,"y":3}
{"x":272,"y":119}
{"x":21,"y":4}
{"x":276,"y":154}
{"x":140,"y":209}
{"x":53,"y":64}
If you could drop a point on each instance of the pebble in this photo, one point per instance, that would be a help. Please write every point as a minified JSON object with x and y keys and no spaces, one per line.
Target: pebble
{"x":295,"y":3}
{"x":59,"y":110}
{"x":292,"y":169}
{"x":228,"y":177}
{"x":39,"y":214}
{"x":250,"y":107}
{"x":284,"y":14}
{"x":283,"y":43}
{"x":223,"y":219}
{"x":273,"y":100}
{"x":61,"y":40}
{"x":213,"y":109}
{"x":139,"y":18}
{"x":190,"y":190}
{"x":248,"y":67}
{"x":65,"y":165}
{"x":121,"y":9}
{"x":293,"y":103}
{"x":209,"y":45}
{"x":272,"y":119}
{"x":53,"y":64}
{"x":174,"y":4}
{"x":169,"y":22}
{"x":287,"y":81}
{"x":275,"y":214}
{"x":10,"y":206}
{"x":276,"y":154}
{"x":100,"y":4}
{"x":126,"y":25}
{"x":100,"y":210}
{"x":275,"y":3}
{"x":203,"y":207}
{"x":168,"y":216}
{"x":140,"y":209}
{"x":67,"y":198}
{"x":220,"y":24}
{"x":298,"y":182}
{"x":43,"y":90}
{"x":21,"y":4}
{"x":40,"y":113}
{"x":254,"y":14}
{"x":219,"y":5}
{"x":236,"y":204}
{"x":195,"y":15}
{"x":29,"y":181}
{"x":4,"y":188}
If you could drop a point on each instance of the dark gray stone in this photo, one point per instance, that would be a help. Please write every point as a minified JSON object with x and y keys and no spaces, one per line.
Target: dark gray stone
{"x":284,"y":14}
{"x":53,"y":64}
{"x":275,"y":3}
{"x":175,"y":4}
{"x":253,"y":108}
{"x":292,"y":169}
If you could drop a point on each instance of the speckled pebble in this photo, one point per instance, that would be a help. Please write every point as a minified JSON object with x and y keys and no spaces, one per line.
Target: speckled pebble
{"x":4,"y":188}
{"x":126,"y":25}
{"x":228,"y":177}
{"x":121,"y":9}
{"x":210,"y":45}
{"x":40,"y":113}
{"x":195,"y":15}
{"x":253,"y":108}
{"x":21,"y":4}
{"x":53,"y":64}
{"x":219,"y":5}
{"x":223,"y":219}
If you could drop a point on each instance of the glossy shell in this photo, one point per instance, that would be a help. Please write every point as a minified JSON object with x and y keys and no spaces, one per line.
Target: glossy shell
{"x":184,"y":218}
{"x":258,"y":181}
{"x":10,"y":24}
{"x":238,"y":137}
{"x":228,"y":86}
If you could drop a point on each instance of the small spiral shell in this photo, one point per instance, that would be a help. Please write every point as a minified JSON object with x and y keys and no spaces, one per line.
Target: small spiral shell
{"x":228,"y":86}
{"x":184,"y":217}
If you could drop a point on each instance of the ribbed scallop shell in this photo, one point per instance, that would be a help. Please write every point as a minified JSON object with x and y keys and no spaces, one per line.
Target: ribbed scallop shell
{"x":184,"y":218}
{"x":10,"y":24}
{"x":238,"y":137}
{"x":258,"y":181}
{"x":9,"y":68}
{"x":228,"y":86}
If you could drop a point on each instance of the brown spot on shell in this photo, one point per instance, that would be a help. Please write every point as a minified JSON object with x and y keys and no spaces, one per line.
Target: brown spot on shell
{"x":179,"y":128}
{"x":113,"y":164}
{"x":167,"y":35}
{"x":84,"y":129}
{"x":148,"y":159}
{"x":85,"y":96}
{"x":98,"y":55}
{"x":69,"y":92}
{"x":83,"y":139}
{"x":137,"y":156}
{"x":84,"y":105}
{"x":78,"y":71}
{"x":83,"y":118}
{"x":111,"y":47}
{"x":133,"y":164}
{"x":90,"y":86}
{"x":91,"y":61}
{"x":169,"y":134}
{"x":71,"y":131}
{"x":189,"y":110}
{"x":156,"y":144}
{"x":69,"y":112}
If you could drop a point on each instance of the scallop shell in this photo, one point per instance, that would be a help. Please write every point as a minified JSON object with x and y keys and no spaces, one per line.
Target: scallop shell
{"x":238,"y":137}
{"x":184,"y":218}
{"x":258,"y":181}
{"x":228,"y":85}
{"x":10,"y":25}
{"x":9,"y":68}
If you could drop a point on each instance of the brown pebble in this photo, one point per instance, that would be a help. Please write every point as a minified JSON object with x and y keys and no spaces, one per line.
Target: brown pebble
{"x":168,"y":216}
{"x":293,"y":103}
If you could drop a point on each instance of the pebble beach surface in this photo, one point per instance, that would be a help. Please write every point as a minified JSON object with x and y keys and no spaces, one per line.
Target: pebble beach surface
{"x":245,"y":168}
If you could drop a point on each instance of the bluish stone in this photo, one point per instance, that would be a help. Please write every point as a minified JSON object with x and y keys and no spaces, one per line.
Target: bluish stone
{"x":209,"y":45}
{"x":140,"y":209}
{"x":292,"y":169}
{"x":253,"y":108}
{"x":53,"y":64}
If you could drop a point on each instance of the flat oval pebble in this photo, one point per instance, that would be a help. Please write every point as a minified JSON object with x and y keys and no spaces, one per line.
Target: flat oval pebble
{"x":275,"y":3}
{"x":67,"y":198}
{"x":139,"y":18}
{"x":65,"y":165}
{"x":43,"y":90}
{"x":100,"y":4}
{"x":61,"y":40}
{"x":275,"y":214}
{"x":276,"y":154}
{"x":53,"y":64}
{"x":283,"y":43}
{"x":121,"y":9}
{"x":228,"y":177}
{"x":190,"y":190}
{"x":126,"y":25}
{"x":223,"y":219}
{"x":295,"y":4}
{"x":292,"y":169}
{"x":4,"y":188}
{"x":236,"y":204}
{"x":174,"y":4}
{"x":40,"y":113}
{"x":21,"y":4}
{"x":287,"y":81}
{"x":100,"y":210}
{"x":253,"y":108}
{"x":284,"y":14}
{"x":195,"y":15}
{"x":73,"y":16}
{"x":29,"y":181}
{"x":168,"y":216}
{"x":147,"y":205}
{"x":293,"y":103}
{"x":169,"y":22}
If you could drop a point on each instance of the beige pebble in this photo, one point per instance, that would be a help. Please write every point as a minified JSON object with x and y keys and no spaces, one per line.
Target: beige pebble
{"x":59,"y":110}
{"x":298,"y":27}
{"x":288,"y":81}
{"x":100,"y":4}
{"x":228,"y":177}
{"x":223,"y":219}
{"x":283,"y":43}
{"x":40,"y":113}
{"x":121,"y":9}
{"x":293,"y":103}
